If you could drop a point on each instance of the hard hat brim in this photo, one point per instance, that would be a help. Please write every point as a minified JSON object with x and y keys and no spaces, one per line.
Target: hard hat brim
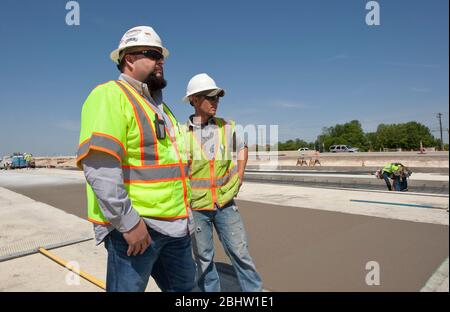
{"x":218,"y":91}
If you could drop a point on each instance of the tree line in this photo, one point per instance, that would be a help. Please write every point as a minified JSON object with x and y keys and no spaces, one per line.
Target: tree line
{"x":406,"y":136}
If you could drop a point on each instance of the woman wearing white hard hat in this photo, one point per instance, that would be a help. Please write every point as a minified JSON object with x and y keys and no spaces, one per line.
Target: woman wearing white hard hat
{"x":202,"y":84}
{"x":215,"y":181}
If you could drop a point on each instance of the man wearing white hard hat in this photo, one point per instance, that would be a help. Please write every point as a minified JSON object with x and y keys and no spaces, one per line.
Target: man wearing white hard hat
{"x":215,"y":182}
{"x":133,"y":154}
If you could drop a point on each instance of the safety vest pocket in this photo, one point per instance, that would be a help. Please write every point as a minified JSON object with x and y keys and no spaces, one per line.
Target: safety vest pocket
{"x":151,"y":196}
{"x":231,"y":186}
{"x":197,"y":195}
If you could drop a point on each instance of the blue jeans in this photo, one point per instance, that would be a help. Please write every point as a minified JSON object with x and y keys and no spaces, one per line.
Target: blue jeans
{"x":403,"y":183}
{"x":168,"y":260}
{"x":231,"y":232}
{"x":396,"y":181}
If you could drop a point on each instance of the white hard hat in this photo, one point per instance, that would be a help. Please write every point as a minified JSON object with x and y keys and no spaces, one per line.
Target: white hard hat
{"x":138,"y":36}
{"x":202,"y":82}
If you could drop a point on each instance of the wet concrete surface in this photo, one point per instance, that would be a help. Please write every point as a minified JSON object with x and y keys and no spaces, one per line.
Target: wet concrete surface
{"x":298,"y":249}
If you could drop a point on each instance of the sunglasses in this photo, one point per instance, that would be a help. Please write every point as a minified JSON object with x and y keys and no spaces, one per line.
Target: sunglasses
{"x":214,"y":98}
{"x":151,"y":54}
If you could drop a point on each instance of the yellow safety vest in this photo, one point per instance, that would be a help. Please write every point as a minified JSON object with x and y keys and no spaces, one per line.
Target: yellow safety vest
{"x":117,"y":120}
{"x":213,"y":181}
{"x":390,"y":168}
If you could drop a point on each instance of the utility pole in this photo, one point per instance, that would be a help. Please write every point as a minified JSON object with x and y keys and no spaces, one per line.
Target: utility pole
{"x":439,"y":116}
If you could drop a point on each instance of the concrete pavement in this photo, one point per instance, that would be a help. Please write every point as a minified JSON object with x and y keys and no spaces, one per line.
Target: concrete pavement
{"x":340,"y":201}
{"x":25,"y":225}
{"x":298,"y":249}
{"x":301,"y":238}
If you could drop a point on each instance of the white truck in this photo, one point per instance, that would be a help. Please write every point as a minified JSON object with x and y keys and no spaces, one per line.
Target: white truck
{"x":343,"y":148}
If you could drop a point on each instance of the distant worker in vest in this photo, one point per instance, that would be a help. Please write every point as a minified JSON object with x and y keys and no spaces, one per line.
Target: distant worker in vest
{"x":398,"y":173}
{"x":215,"y":181}
{"x":133,"y":154}
{"x":28,"y":160}
{"x":390,"y":171}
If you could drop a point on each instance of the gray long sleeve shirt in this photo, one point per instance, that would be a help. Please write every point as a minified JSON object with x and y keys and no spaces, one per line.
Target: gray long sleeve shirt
{"x":104,"y":174}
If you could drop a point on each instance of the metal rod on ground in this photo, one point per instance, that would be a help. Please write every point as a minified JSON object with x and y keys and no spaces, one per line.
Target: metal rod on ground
{"x":84,"y":275}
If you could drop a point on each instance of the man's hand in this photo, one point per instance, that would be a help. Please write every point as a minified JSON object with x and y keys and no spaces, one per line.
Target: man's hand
{"x":242,"y":162}
{"x":138,"y":239}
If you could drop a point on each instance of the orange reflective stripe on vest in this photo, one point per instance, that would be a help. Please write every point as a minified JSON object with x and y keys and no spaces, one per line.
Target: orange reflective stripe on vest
{"x":104,"y":143}
{"x":215,"y":181}
{"x":154,"y":173}
{"x":147,"y":159}
{"x":149,"y":148}
{"x":219,"y":181}
{"x":182,"y":168}
{"x":154,"y":170}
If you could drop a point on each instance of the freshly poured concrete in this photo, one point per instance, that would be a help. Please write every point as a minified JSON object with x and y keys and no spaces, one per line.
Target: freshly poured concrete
{"x":340,"y":201}
{"x":301,"y":238}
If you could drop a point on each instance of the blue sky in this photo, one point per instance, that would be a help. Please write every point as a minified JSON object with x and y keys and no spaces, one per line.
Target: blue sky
{"x":301,"y":64}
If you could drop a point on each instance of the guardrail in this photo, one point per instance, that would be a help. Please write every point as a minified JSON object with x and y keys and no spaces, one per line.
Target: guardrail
{"x":343,"y":169}
{"x":370,"y":182}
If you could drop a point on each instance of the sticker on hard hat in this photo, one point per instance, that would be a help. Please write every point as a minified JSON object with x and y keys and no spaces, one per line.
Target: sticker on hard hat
{"x":131,"y":39}
{"x":133,"y":32}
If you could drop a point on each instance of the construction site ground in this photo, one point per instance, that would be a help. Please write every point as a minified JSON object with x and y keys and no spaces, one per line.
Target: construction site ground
{"x":301,"y":238}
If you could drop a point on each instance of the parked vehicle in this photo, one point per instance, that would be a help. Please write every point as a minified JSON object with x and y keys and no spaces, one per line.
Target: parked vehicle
{"x":303,"y":150}
{"x":343,"y":148}
{"x":18,"y":161}
{"x":5,"y":162}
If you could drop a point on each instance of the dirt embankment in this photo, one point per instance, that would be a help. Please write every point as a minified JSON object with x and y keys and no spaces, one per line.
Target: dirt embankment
{"x":410,"y":159}
{"x":289,"y":158}
{"x":56,"y":162}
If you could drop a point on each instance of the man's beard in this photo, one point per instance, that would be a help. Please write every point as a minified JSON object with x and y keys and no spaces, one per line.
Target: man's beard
{"x":155,"y":83}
